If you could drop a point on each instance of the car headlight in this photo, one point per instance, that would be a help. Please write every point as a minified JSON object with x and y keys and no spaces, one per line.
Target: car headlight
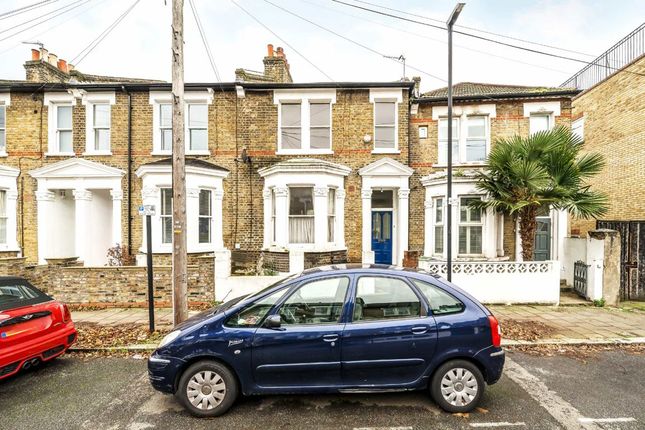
{"x":169,"y":338}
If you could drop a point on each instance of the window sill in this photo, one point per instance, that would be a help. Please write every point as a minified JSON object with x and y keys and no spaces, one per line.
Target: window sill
{"x":96,"y":153}
{"x":200,"y":152}
{"x":161,"y":153}
{"x":304,"y":152}
{"x":385,"y":151}
{"x":3,"y":154}
{"x":60,"y":154}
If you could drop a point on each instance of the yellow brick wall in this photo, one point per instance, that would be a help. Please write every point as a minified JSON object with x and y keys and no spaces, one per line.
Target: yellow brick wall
{"x":614,"y":125}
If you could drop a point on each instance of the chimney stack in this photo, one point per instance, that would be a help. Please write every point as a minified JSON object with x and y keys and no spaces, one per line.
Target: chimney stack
{"x":47,"y":67}
{"x":276,"y":67}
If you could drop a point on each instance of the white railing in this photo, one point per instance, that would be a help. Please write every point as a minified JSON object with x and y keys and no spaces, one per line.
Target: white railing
{"x":505,"y":282}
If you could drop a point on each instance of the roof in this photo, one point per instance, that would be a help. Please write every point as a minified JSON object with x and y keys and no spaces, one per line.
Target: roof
{"x":467,"y":90}
{"x":193,"y":162}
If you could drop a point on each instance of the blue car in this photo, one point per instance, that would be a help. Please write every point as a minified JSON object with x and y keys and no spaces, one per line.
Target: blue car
{"x":336,"y":329}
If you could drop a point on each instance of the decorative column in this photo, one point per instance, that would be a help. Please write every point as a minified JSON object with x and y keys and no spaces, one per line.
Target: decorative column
{"x":45,"y":201}
{"x":428,"y":221}
{"x":82,"y":218}
{"x":282,"y":216}
{"x":368,"y":254}
{"x":222,"y":255}
{"x":489,"y":236}
{"x":339,"y":234}
{"x":12,"y":227}
{"x":117,"y":199}
{"x":404,"y":218}
{"x":268,"y":233}
{"x":320,"y":217}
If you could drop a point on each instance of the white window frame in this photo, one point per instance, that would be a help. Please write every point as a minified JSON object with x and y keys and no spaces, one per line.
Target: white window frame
{"x":209,"y":217}
{"x":312,"y":216}
{"x":386,"y":95}
{"x":272,"y":239}
{"x":164,"y":97}
{"x":305,"y":98}
{"x":438,"y":207}
{"x":578,"y":128}
{"x":189,"y":143}
{"x":468,"y":138}
{"x":5,"y":101}
{"x":53,"y":101}
{"x":331,"y":215}
{"x":160,"y":130}
{"x":550,"y":108}
{"x":469,"y":224}
{"x":442,"y":154}
{"x":90,"y":100}
{"x":4,"y":218}
{"x":423,"y":132}
{"x":462,"y":113}
{"x":547,"y":115}
{"x":162,"y":215}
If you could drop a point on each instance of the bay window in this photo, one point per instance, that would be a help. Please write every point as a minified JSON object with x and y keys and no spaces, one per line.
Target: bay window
{"x":3,"y":217}
{"x":301,"y":215}
{"x":205,"y":215}
{"x":385,"y":125}
{"x":197,"y":122}
{"x":165,"y":214}
{"x":470,"y":227}
{"x":438,"y":225}
{"x":331,"y":214}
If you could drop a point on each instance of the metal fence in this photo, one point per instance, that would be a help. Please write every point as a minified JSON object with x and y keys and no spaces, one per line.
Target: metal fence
{"x":580,"y":278}
{"x":615,"y":58}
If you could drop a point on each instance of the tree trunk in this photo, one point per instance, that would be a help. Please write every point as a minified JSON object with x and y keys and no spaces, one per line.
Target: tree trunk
{"x":528,"y":226}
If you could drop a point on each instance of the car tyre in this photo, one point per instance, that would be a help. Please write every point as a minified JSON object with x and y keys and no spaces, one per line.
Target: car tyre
{"x":457,"y":386}
{"x":207,"y":389}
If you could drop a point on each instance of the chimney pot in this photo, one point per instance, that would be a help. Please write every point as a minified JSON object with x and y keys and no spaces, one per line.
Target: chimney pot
{"x":44,"y":54}
{"x":269,"y":50}
{"x":70,"y":67}
{"x":53,"y":60}
{"x":280,"y":51}
{"x":35,"y":55}
{"x":62,"y":65}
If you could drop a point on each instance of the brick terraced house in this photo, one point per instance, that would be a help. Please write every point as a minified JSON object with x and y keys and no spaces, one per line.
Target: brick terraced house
{"x":279,"y":174}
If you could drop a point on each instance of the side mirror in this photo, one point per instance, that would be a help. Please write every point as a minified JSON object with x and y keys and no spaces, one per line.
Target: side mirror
{"x":273,"y":321}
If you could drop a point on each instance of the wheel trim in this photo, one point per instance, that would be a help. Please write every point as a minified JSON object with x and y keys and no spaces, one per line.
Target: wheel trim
{"x":206,"y":390}
{"x":459,"y":387}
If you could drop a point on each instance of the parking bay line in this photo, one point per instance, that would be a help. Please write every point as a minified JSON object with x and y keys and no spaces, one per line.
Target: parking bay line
{"x":568,"y":416}
{"x":382,"y":428}
{"x":498,"y":424}
{"x":607,"y":420}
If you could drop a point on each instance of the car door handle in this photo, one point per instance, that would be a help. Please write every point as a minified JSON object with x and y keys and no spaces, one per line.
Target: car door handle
{"x":419,"y":330}
{"x":330,"y":337}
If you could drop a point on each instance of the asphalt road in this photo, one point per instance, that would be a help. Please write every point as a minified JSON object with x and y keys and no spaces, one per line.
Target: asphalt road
{"x":606,"y":392}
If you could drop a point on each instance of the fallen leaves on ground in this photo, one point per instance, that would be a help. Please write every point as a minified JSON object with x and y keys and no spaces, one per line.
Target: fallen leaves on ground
{"x":578,"y":352}
{"x":525,"y":330}
{"x":93,"y":335}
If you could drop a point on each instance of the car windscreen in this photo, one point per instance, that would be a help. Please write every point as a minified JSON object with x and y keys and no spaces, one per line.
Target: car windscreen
{"x":16,"y":293}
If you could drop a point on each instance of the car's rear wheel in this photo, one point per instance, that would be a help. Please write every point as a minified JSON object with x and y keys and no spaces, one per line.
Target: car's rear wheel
{"x":207,"y":389}
{"x":457,"y":386}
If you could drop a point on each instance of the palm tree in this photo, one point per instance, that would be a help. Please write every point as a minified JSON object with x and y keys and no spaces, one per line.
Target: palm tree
{"x":545,"y":169}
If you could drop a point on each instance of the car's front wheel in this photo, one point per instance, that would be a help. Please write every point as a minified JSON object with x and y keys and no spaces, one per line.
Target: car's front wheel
{"x":207,"y":389}
{"x":457,"y":386}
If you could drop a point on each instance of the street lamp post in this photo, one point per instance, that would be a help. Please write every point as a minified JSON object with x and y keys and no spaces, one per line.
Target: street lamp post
{"x":450,"y":23}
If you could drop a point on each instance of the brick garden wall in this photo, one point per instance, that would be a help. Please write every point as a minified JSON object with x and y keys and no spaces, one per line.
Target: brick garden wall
{"x":127,"y":285}
{"x":614,"y":125}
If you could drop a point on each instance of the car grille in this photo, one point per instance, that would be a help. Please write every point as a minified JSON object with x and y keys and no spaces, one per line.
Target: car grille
{"x":53,"y":351}
{"x":10,"y":368}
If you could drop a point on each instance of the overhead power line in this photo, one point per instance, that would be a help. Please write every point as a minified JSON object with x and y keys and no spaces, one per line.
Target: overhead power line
{"x":205,"y":41}
{"x":70,"y":7}
{"x":93,"y":44}
{"x":18,"y":11}
{"x":282,"y":40}
{"x":359,"y":44}
{"x":510,"y":45}
{"x":39,"y":16}
{"x":476,"y":29}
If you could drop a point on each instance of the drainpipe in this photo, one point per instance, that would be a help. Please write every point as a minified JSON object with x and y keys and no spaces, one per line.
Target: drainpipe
{"x":129,"y":168}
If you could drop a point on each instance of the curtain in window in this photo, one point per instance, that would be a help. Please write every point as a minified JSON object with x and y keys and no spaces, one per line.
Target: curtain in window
{"x":331,"y":214}
{"x":301,"y":229}
{"x":301,"y":215}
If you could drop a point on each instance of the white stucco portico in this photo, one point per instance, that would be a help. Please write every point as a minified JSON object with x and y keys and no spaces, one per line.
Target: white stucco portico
{"x":79,"y":210}
{"x":8,"y":205}
{"x":386,"y":174}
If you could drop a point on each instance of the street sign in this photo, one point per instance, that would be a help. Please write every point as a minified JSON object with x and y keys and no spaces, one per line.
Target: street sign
{"x":147,"y":210}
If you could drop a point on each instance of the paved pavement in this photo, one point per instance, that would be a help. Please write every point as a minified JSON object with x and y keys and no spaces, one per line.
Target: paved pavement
{"x":72,"y":393}
{"x":568,"y":322}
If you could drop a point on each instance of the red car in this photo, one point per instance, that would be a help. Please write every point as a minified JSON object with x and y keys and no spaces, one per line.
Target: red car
{"x":33,"y":326}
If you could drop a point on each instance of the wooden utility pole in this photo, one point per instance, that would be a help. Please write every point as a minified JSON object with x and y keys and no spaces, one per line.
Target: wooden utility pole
{"x":179,"y":255}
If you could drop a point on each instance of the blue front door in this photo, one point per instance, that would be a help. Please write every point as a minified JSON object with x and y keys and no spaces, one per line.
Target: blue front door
{"x":382,"y":236}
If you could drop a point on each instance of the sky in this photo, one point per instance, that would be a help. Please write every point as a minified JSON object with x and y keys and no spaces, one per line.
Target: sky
{"x":140,"y":45}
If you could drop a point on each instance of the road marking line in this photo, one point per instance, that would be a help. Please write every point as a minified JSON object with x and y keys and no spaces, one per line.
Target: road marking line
{"x":498,"y":424}
{"x":382,"y":428}
{"x":556,"y":406}
{"x":607,"y":420}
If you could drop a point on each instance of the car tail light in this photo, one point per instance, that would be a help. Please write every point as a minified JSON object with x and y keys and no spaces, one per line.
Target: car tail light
{"x":67,"y":316}
{"x":495,"y":331}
